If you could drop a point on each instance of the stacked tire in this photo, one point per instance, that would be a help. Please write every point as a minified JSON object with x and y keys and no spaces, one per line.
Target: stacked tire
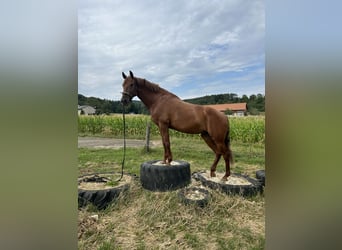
{"x":261,"y":176}
{"x":164,"y":177}
{"x":253,"y":187}
{"x":100,"y":198}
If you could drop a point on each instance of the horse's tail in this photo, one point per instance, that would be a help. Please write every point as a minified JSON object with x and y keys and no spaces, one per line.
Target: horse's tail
{"x":227,"y":142}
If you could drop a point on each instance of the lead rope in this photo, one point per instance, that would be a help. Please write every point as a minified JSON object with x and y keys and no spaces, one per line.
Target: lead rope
{"x":124,"y":148}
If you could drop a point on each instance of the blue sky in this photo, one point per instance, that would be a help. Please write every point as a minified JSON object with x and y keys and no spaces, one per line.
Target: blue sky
{"x":191,"y":48}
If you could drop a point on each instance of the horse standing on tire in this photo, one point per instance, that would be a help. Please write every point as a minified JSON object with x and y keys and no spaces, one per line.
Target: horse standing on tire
{"x":169,"y":111}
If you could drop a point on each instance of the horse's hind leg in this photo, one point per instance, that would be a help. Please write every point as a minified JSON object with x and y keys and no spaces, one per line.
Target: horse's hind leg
{"x":220,"y":149}
{"x":228,"y":158}
{"x":206,"y":137}
{"x":213,"y":167}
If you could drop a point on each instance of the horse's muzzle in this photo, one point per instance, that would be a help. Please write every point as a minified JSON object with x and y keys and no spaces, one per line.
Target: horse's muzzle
{"x":125,"y":101}
{"x":126,"y":98}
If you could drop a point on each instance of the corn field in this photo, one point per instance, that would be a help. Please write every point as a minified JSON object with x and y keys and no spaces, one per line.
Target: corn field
{"x":244,"y":129}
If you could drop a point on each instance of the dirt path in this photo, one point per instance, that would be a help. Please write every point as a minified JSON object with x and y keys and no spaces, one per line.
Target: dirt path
{"x":97,"y":142}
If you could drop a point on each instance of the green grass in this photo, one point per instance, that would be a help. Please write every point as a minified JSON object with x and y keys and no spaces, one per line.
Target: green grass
{"x":247,"y":158}
{"x":141,"y":219}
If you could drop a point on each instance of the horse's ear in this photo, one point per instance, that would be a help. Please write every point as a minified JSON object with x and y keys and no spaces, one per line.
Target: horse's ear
{"x":131,"y":74}
{"x":123,"y":75}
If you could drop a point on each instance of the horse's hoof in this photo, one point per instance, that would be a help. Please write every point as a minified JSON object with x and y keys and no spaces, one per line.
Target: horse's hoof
{"x":224,"y":178}
{"x":212,"y":174}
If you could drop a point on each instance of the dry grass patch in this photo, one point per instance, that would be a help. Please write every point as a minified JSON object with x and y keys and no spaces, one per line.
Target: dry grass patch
{"x":141,"y":219}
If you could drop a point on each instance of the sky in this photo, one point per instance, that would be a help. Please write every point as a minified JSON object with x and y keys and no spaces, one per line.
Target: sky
{"x":191,"y":48}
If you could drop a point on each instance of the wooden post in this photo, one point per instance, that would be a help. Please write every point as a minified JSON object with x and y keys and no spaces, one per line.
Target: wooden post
{"x":148,"y":126}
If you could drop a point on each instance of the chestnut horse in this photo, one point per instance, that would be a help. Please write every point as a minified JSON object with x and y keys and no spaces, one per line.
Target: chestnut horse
{"x":168,"y":111}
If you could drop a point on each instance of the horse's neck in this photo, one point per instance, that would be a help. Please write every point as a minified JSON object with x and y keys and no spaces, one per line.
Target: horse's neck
{"x":148,"y":95}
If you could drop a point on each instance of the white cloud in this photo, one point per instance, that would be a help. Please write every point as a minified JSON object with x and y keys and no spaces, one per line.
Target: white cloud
{"x":166,"y":42}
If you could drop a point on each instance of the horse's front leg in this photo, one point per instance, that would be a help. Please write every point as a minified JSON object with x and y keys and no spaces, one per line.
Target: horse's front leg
{"x":164,"y":131}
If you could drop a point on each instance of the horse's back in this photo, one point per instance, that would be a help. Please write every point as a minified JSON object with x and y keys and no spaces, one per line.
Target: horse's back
{"x":189,"y":118}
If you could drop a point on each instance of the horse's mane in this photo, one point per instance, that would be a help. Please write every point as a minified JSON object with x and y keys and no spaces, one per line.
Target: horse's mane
{"x":153,"y":87}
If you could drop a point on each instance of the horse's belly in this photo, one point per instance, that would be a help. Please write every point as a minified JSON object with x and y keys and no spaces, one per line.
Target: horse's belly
{"x":188,"y":126}
{"x":188,"y":130}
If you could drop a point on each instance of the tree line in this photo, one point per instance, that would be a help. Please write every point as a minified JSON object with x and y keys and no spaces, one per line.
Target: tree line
{"x":255,"y":103}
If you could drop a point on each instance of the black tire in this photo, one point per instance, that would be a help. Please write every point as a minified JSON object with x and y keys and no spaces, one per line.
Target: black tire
{"x":261,"y":176}
{"x":243,"y":190}
{"x":99,"y":198}
{"x":164,"y":178}
{"x":182,"y":194}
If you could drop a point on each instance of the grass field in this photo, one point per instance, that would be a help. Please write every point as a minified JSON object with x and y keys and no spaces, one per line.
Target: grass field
{"x":141,"y":219}
{"x":249,"y":129}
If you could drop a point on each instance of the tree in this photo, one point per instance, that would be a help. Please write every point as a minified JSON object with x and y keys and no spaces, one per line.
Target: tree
{"x":253,"y":111}
{"x":244,"y":98}
{"x":260,"y":103}
{"x":104,"y":106}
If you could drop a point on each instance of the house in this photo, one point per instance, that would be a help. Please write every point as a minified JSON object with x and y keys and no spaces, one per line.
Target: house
{"x":238,"y":109}
{"x":86,"y":110}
